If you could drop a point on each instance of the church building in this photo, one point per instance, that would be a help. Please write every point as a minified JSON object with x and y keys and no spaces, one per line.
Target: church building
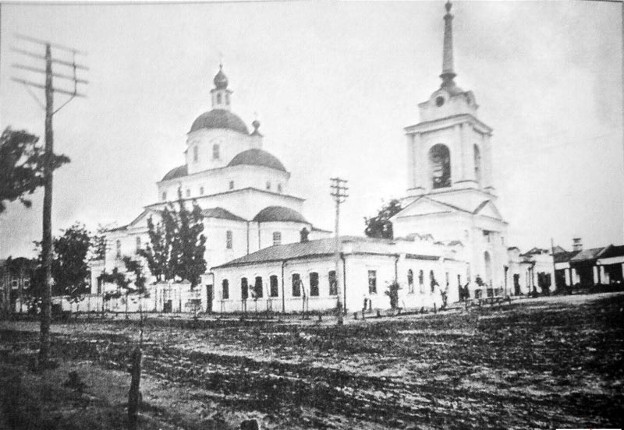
{"x":263,"y":254}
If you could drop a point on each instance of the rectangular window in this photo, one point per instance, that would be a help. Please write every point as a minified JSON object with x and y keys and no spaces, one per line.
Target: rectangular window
{"x":372,"y":282}
{"x":188,"y":193}
{"x":244,"y":289}
{"x":333,"y":284}
{"x":314,"y":284}
{"x":268,"y":185}
{"x":225,"y":291}
{"x":138,"y":243}
{"x":228,"y":239}
{"x":277,"y":238}
{"x":215,"y":152}
{"x":201,"y":191}
{"x":164,"y":196}
{"x":231,"y":185}
{"x":195,"y":153}
{"x":410,"y":281}
{"x":118,"y":248}
{"x":279,"y":188}
{"x":258,"y":287}
{"x":296,"y":285}
{"x":274,"y":287}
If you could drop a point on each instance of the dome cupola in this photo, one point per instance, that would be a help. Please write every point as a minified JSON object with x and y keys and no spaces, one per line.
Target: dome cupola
{"x":220,"y":80}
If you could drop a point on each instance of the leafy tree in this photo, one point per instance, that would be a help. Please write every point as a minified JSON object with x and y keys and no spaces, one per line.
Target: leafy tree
{"x":98,"y":244}
{"x":21,"y":166}
{"x":136,"y":268}
{"x":177,"y":243}
{"x":70,"y":270}
{"x":393,"y":293}
{"x":379,"y":226}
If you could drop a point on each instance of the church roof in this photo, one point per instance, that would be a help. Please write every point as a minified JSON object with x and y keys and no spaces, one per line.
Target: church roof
{"x":279,"y":214}
{"x":221,"y":214}
{"x":219,"y":118}
{"x":316,"y":248}
{"x":257,"y":157}
{"x":176,"y":172}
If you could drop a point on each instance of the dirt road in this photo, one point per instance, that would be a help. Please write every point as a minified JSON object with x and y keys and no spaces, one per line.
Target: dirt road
{"x":539,"y":363}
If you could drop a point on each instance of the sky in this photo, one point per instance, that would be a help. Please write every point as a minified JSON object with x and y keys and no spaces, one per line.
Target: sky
{"x":333,"y":85}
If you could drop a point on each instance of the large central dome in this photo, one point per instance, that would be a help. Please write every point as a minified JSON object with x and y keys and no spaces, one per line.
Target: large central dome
{"x":219,"y":118}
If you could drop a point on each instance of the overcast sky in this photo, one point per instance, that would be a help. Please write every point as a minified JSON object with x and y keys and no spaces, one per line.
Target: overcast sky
{"x":333,"y":85}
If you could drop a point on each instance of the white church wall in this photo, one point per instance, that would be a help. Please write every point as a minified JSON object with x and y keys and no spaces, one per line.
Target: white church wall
{"x":230,"y":144}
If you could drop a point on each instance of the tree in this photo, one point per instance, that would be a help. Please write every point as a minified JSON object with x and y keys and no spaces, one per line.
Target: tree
{"x":393,"y":293}
{"x":21,"y":166}
{"x":70,"y":269}
{"x":177,"y":244}
{"x":380,"y":226}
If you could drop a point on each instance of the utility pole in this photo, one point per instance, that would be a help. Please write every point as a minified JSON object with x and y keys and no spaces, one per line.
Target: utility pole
{"x":48,"y":168}
{"x":339,"y":193}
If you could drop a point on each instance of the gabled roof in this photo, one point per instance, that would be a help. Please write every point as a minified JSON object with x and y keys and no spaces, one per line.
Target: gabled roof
{"x":221,"y":214}
{"x":586,"y":255}
{"x":613,"y":251}
{"x":564,"y":257}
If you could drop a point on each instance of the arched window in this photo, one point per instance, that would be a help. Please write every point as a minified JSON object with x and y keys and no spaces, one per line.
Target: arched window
{"x":218,"y":98}
{"x":433,"y":280}
{"x":277,"y":238}
{"x":296,"y":285}
{"x":231,"y":185}
{"x":201,"y":191}
{"x":138,"y":243}
{"x":268,"y":185}
{"x":195,"y":153}
{"x":314,"y":284}
{"x":225,"y":289}
{"x":333,"y":283}
{"x":410,"y":281}
{"x":118,"y":248}
{"x":421,"y":281}
{"x":244,"y":289}
{"x":215,"y":151}
{"x":477,"y":163}
{"x":258,"y":291}
{"x":164,"y":195}
{"x":274,"y":290}
{"x":228,"y":239}
{"x":440,"y":163}
{"x":279,"y":188}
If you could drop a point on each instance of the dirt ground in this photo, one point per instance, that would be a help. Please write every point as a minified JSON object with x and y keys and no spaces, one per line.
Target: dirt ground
{"x":548,"y":363}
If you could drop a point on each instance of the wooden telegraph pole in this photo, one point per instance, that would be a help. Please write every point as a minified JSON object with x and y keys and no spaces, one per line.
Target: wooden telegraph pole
{"x":339,"y":193}
{"x":48,"y":168}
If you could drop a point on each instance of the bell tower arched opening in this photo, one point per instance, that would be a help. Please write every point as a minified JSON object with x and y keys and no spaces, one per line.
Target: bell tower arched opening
{"x":440,"y":166}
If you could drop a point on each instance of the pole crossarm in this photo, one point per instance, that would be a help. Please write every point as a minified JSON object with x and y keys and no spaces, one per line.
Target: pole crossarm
{"x":57,"y":75}
{"x":42,"y":57}
{"x":56,"y":90}
{"x":53,"y":45}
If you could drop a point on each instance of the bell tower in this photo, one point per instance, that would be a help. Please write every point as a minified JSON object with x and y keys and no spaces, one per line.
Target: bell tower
{"x":450,"y":148}
{"x":450,"y":192}
{"x":220,"y":93}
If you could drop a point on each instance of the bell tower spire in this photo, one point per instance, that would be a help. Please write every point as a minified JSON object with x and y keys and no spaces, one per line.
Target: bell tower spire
{"x":448,"y":72}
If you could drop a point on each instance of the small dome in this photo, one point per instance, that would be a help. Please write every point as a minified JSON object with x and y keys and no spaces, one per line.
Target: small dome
{"x":178,"y":172}
{"x":219,"y":118}
{"x":257,"y":157}
{"x":279,"y":214}
{"x":220,"y":80}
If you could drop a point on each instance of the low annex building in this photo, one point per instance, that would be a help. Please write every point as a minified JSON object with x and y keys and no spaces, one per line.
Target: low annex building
{"x":302,"y":276}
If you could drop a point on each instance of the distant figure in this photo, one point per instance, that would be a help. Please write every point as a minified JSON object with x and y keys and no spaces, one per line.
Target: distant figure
{"x":444,"y":293}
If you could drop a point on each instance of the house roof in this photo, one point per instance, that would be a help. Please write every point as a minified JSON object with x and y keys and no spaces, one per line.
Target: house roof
{"x":613,"y":251}
{"x":565,"y":256}
{"x":586,"y":255}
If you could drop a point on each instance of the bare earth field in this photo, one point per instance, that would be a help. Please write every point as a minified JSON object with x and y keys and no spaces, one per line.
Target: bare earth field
{"x":538,"y":363}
